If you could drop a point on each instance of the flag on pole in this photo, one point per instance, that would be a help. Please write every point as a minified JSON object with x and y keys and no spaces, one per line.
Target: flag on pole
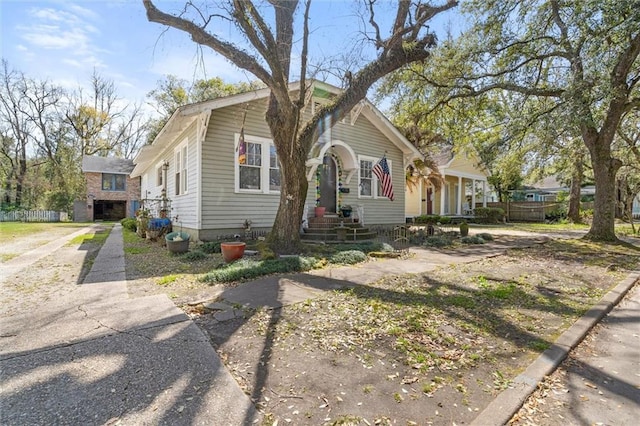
{"x":381,"y":170}
{"x":242,"y":148}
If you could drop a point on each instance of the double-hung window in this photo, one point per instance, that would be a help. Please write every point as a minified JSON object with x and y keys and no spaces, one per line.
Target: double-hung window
{"x":257,"y":167}
{"x":368,"y":183}
{"x":181,"y":171}
{"x":114,"y":182}
{"x":159,"y":175}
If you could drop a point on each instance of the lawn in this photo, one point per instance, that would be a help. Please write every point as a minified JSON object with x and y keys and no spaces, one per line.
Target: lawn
{"x":431,"y":348}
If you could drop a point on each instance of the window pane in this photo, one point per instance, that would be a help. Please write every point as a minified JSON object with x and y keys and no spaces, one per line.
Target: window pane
{"x":274,"y":179}
{"x":365,"y":187}
{"x":273,"y":157}
{"x":106,"y":182}
{"x":254,"y":154}
{"x":178,"y":184}
{"x":120,"y":183}
{"x":365,"y":169}
{"x":249,"y":177}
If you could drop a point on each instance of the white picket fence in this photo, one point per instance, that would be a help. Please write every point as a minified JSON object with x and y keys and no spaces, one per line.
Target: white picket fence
{"x":33,"y":216}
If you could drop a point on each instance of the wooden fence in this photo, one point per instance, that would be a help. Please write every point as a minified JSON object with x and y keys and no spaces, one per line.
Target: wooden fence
{"x":527,"y":211}
{"x":33,"y":216}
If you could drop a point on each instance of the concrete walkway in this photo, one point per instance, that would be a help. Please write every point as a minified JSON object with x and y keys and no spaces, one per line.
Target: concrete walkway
{"x":103,"y":358}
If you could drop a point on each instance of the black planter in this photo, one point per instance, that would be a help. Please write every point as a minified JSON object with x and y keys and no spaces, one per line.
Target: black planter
{"x":346,"y":212}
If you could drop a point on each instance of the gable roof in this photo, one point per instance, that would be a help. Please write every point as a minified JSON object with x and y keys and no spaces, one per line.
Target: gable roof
{"x":186,"y":115}
{"x":95,"y":164}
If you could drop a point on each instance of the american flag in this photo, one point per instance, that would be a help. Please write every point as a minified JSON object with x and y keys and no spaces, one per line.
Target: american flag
{"x":381,"y":169}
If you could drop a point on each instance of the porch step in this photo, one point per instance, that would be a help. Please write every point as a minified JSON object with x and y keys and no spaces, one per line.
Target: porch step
{"x":334,"y":228}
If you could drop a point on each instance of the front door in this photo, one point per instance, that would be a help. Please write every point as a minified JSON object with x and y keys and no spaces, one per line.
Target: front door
{"x":328,"y":184}
{"x":429,"y":200}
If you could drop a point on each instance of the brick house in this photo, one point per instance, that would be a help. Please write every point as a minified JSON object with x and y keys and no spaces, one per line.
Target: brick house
{"x":111,"y":193}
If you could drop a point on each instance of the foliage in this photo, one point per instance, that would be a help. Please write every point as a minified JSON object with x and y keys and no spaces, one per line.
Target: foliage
{"x":527,"y":82}
{"x":438,"y":241}
{"x":349,"y":257}
{"x":485,"y":236}
{"x":129,"y":223}
{"x":194,"y":255}
{"x":432,"y":219}
{"x":490,"y":214}
{"x":46,"y":129}
{"x":247,"y":268}
{"x":464,"y":229}
{"x":474,"y":239}
{"x":210,"y":247}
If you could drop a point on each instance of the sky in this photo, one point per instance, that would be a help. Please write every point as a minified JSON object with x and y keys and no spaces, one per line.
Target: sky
{"x":64,"y":41}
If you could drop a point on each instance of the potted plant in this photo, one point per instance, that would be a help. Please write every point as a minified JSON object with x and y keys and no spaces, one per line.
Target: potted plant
{"x":464,"y":229}
{"x":346,"y":210}
{"x":178,"y":242}
{"x":232,"y":250}
{"x":319,"y":211}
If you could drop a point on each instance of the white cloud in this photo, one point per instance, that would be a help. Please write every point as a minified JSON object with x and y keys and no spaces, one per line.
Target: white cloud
{"x":187,"y":65}
{"x":61,"y":30}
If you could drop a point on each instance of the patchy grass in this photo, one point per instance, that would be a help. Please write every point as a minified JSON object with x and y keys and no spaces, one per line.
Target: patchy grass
{"x":14,"y":230}
{"x":415,"y":345}
{"x":99,"y":236}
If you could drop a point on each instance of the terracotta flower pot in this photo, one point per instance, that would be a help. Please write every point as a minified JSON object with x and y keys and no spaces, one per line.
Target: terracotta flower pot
{"x":232,"y":251}
{"x":320,"y":211}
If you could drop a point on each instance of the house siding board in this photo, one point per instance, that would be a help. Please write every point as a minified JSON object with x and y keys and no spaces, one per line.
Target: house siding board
{"x":365,"y":139}
{"x":184,"y":206}
{"x":222,"y":208}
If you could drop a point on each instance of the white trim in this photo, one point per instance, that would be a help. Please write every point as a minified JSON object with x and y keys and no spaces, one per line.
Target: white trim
{"x":265,"y":164}
{"x":159,"y":169}
{"x":181,"y":151}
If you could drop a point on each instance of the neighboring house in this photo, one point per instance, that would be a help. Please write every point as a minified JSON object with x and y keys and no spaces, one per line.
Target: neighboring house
{"x":547,"y":190}
{"x":464,"y":187}
{"x":215,"y":182}
{"x":111,"y":193}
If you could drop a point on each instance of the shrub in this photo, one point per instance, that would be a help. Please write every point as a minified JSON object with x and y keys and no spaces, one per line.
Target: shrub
{"x":428,"y":218}
{"x":194,"y":255}
{"x":129,"y":223}
{"x":485,"y":236}
{"x":210,"y":247}
{"x":437,"y":241}
{"x":472,"y":240}
{"x":348,"y":257}
{"x":464,"y":229}
{"x":249,"y":268}
{"x":490,"y":214}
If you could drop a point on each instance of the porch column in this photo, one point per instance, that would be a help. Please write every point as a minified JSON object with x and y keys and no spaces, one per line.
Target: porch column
{"x":420,"y":203}
{"x":473,"y":195}
{"x":484,"y":193}
{"x":442,"y":191}
{"x":460,"y":190}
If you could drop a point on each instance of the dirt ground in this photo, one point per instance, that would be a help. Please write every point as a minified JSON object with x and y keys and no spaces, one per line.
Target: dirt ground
{"x":421,"y":349}
{"x":418,"y":349}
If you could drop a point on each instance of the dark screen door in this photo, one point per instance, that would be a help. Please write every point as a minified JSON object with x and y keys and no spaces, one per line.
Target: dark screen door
{"x":328,"y":184}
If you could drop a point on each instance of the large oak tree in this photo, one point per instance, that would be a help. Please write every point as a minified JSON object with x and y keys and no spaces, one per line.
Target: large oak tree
{"x":268,"y":28}
{"x":578,"y":57}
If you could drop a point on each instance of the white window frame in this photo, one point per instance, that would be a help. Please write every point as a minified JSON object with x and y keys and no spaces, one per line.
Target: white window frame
{"x":375,"y":183}
{"x":159,"y":175}
{"x":181,"y":167}
{"x":265,"y":165}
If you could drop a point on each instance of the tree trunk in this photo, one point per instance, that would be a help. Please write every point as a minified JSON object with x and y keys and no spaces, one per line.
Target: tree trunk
{"x":605,"y":168}
{"x":574,"y":194}
{"x":292,"y":155}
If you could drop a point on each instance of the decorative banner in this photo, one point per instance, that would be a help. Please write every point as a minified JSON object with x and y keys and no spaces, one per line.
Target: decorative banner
{"x":242,"y":148}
